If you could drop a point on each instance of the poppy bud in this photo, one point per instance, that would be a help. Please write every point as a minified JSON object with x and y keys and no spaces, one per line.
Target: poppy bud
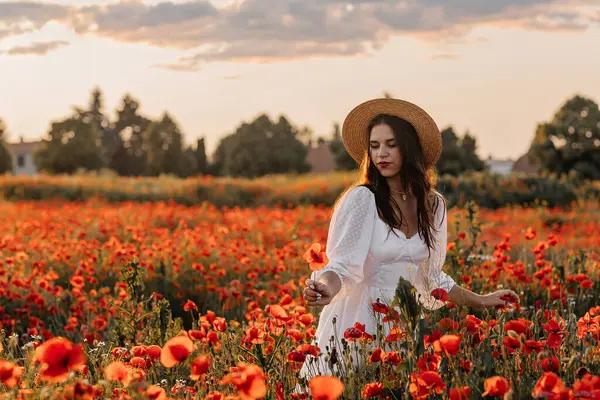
{"x":513,"y":334}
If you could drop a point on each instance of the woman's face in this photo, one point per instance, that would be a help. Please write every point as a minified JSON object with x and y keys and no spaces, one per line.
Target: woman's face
{"x":384,"y":151}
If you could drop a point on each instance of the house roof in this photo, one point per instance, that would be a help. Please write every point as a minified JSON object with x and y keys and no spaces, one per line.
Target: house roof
{"x":23,"y":147}
{"x":320,"y":158}
{"x":523,"y":164}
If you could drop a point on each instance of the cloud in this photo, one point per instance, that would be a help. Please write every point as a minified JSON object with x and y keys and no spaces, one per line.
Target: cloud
{"x":36,"y":48}
{"x":273,"y":30}
{"x":6,"y":32}
{"x":135,"y":21}
{"x":180,"y":66}
{"x":37,"y":13}
{"x":443,"y":57}
{"x":198,"y":23}
{"x":272,"y":50}
{"x":23,"y":17}
{"x":559,"y":21}
{"x":436,"y":19}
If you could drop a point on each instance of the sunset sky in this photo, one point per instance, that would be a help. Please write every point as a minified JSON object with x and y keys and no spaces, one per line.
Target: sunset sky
{"x":494,"y":67}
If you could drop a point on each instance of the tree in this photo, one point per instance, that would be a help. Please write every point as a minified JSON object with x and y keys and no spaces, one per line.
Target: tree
{"x":110,"y":141}
{"x":72,"y":144}
{"x":133,"y":145}
{"x":200,"y":157}
{"x":450,"y":161}
{"x":304,"y":135}
{"x":261,"y":147}
{"x":342,"y":159}
{"x":471,"y":160}
{"x":79,"y":141}
{"x":164,"y":144}
{"x":130,"y":158}
{"x":570,"y":142}
{"x":458,"y":155}
{"x":6,"y":164}
{"x":188,"y":164}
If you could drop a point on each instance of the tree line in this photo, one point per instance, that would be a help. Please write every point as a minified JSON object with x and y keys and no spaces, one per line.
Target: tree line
{"x":134,"y":145}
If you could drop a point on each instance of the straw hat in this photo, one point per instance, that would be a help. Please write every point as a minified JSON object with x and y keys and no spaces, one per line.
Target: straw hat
{"x":354,"y":129}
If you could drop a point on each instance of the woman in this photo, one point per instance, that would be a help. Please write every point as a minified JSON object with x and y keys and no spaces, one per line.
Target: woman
{"x":391,"y":224}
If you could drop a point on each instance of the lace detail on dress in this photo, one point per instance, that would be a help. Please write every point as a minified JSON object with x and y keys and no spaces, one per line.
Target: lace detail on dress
{"x":349,"y":238}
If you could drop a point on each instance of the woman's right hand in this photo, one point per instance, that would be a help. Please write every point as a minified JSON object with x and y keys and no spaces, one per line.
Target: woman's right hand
{"x":317,"y":293}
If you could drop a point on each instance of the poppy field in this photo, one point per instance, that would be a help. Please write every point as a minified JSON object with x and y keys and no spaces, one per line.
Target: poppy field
{"x":163,"y":301}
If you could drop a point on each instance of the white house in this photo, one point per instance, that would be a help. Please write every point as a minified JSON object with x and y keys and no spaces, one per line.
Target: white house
{"x":22,"y":157}
{"x":500,"y":167}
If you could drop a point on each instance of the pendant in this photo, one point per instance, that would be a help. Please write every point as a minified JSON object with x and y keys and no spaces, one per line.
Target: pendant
{"x":404,"y":197}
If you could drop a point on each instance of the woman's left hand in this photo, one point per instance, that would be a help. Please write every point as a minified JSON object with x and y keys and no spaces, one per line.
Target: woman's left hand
{"x":499,"y":298}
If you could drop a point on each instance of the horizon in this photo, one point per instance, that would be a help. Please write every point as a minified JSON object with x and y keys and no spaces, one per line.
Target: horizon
{"x":494,"y":69}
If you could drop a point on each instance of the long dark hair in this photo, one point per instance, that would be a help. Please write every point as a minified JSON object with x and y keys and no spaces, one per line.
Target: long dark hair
{"x":414,"y":176}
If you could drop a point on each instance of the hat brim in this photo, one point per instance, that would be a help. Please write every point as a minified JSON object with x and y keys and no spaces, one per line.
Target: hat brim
{"x":354,"y":129}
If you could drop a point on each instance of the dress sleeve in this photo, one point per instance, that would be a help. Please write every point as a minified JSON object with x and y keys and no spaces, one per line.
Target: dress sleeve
{"x":430,"y":275}
{"x":349,"y":238}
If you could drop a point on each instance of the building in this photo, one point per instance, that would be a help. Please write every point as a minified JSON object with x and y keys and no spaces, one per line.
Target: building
{"x":22,"y":156}
{"x":525,"y":165}
{"x":500,"y":167}
{"x":320,"y":158}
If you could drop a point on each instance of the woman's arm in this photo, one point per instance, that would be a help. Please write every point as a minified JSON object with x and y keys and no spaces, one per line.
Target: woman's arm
{"x":333,"y":282}
{"x":431,"y":275}
{"x":465,"y":297}
{"x":321,"y":292}
{"x":348,"y":241}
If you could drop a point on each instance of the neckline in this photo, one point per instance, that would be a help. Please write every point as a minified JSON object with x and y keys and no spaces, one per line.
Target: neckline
{"x":416,"y":234}
{"x":404,"y":234}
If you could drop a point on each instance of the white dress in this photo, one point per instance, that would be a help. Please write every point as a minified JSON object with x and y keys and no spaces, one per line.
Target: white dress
{"x":369,"y":263}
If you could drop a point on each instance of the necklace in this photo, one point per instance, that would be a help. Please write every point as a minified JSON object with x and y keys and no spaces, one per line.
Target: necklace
{"x":403,"y":194}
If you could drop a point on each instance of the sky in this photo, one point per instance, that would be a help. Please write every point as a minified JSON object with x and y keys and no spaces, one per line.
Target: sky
{"x":493,"y":68}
